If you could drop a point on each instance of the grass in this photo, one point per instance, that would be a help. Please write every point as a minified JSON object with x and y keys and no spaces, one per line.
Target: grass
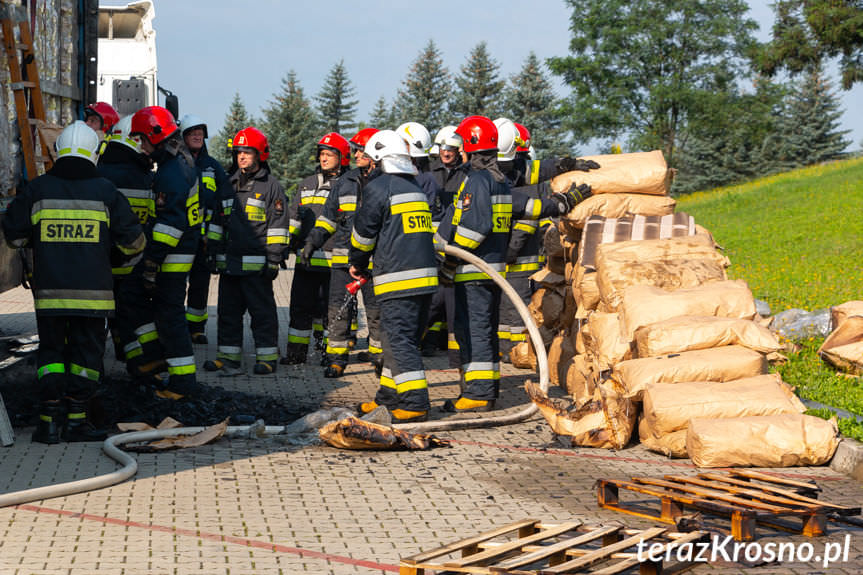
{"x":796,"y":239}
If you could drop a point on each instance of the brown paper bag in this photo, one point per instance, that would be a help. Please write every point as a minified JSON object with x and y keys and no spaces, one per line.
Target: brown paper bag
{"x":580,"y":380}
{"x":560,"y":354}
{"x":636,"y":173}
{"x":692,"y":332}
{"x":789,"y":440}
{"x":669,"y":406}
{"x":839,"y":313}
{"x":614,"y":206}
{"x":603,"y":341}
{"x":671,"y":444}
{"x":719,"y":364}
{"x":843,"y":348}
{"x":522,"y":356}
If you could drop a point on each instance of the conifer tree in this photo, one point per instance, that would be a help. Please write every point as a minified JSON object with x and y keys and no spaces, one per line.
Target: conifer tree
{"x":478,"y":87}
{"x":382,"y":115}
{"x":236,"y":119}
{"x":336,"y":102}
{"x":290,"y":129}
{"x":530,"y":100}
{"x":425,"y":90}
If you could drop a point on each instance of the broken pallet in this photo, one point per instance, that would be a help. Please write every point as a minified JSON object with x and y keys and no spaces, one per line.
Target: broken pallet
{"x":530,"y":547}
{"x":747,"y":498}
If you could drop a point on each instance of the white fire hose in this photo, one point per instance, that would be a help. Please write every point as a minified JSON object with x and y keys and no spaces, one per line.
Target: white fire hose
{"x":130,"y":464}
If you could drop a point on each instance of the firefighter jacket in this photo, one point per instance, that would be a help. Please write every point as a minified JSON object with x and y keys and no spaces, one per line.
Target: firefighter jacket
{"x":306,"y":205}
{"x":250,"y":231}
{"x":176,"y":229}
{"x":212,"y":179}
{"x":535,"y":171}
{"x":481,"y":220}
{"x":449,"y":180}
{"x":332,"y":230}
{"x":524,"y":253}
{"x":394,"y":223}
{"x":71,"y":217}
{"x":133,"y":176}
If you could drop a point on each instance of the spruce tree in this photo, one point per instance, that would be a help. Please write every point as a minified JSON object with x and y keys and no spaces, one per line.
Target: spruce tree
{"x":813,"y":121}
{"x":336,"y":104}
{"x":478,"y":88}
{"x":290,"y":129}
{"x":236,"y":119}
{"x":425,"y":90}
{"x":382,"y":115}
{"x":530,"y":100}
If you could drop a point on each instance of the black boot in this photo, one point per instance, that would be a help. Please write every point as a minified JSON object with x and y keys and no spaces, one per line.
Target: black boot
{"x":78,"y":425}
{"x":50,"y":420}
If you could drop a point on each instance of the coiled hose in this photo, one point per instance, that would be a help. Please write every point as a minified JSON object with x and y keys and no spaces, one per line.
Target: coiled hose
{"x":111,"y":446}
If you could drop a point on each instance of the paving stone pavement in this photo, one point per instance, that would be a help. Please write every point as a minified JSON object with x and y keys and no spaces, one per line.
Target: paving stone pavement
{"x":264,"y":506}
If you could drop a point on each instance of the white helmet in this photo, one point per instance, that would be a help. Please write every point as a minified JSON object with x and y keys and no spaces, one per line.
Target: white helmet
{"x":120,"y":134}
{"x":446,"y":136}
{"x":531,"y":153}
{"x":417,"y":137}
{"x":507,"y":134}
{"x":390,"y":151}
{"x":190,"y":121}
{"x":78,"y":140}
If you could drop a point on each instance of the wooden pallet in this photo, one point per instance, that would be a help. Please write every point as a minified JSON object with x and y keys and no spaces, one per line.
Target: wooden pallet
{"x":746,"y":497}
{"x":529,"y":547}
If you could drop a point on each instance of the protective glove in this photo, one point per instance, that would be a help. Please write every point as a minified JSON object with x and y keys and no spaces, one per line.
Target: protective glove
{"x":270,"y":271}
{"x":306,"y":255}
{"x":571,"y":164}
{"x":576,"y":194}
{"x":446,"y":273}
{"x":511,"y":255}
{"x":151,"y":270}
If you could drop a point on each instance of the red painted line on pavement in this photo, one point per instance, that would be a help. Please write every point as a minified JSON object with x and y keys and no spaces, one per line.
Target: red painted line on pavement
{"x":628,"y":459}
{"x":306,"y":553}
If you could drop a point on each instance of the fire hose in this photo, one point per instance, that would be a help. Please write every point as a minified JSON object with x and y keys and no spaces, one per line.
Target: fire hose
{"x":111,"y":446}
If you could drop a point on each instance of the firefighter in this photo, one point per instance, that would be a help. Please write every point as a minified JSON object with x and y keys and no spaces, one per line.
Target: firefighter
{"x":394,"y":224}
{"x":211,"y":177}
{"x":523,"y":170}
{"x":332,"y":232}
{"x":71,"y":217}
{"x":152,"y":299}
{"x":310,"y":287}
{"x":248,"y":236}
{"x":123,"y":163}
{"x":480,"y":223}
{"x":101,"y":117}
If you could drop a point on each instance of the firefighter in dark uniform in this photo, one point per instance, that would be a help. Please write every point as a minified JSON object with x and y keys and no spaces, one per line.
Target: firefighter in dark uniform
{"x":394,"y":223}
{"x":310,"y":287}
{"x":332,"y":233}
{"x":101,"y":117}
{"x":248,"y":241}
{"x":448,"y":171}
{"x":71,"y":217}
{"x":480,"y":223}
{"x":212,"y":177}
{"x":123,"y":163}
{"x":153,"y":298}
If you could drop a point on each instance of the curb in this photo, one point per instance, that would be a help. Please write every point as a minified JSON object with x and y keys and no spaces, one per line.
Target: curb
{"x":848,"y":459}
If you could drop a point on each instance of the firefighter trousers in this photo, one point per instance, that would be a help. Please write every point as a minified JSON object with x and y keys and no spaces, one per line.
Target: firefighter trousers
{"x":252,"y":293}
{"x":403,"y":382}
{"x":155,"y":327}
{"x":69,"y":360}
{"x":199,"y":290}
{"x":477,"y":314}
{"x":511,"y":330}
{"x":309,"y":294}
{"x":341,"y":311}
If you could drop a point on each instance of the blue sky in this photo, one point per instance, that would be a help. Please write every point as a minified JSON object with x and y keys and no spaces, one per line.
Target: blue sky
{"x":210,"y":49}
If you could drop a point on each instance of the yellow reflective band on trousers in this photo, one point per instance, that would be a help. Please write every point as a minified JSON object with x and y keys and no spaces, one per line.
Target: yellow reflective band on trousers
{"x":84,"y":372}
{"x":481,"y":374}
{"x":50,"y":368}
{"x":298,"y":338}
{"x":518,"y":337}
{"x":181,"y":365}
{"x":73,"y":303}
{"x":410,"y":381}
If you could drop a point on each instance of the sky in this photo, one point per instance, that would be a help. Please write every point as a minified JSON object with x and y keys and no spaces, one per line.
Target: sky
{"x":208,"y":50}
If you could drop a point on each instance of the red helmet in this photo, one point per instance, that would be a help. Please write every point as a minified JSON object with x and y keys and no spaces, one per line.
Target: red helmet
{"x":479,"y":134}
{"x":337,"y":143}
{"x":524,"y":136}
{"x":251,"y":138}
{"x":362,"y":137}
{"x":106,"y":113}
{"x":154,"y":123}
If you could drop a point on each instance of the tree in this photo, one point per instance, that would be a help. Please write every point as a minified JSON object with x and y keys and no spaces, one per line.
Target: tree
{"x":382,"y":115}
{"x":336,"y":104}
{"x":291,"y":131}
{"x":643,"y":69}
{"x":530,"y":100}
{"x":478,"y":89}
{"x":806,"y":32}
{"x":425,"y":90}
{"x":813,"y":121}
{"x":236,"y":119}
